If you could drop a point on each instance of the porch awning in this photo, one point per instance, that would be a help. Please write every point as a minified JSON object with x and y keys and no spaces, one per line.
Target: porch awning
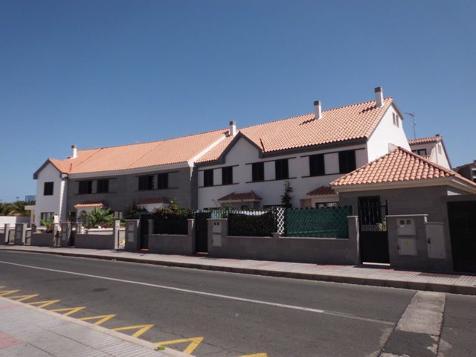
{"x":250,"y":196}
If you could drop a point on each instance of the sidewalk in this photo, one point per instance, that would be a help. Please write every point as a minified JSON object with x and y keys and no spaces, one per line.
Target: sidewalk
{"x":30,"y":331}
{"x":451,"y":283}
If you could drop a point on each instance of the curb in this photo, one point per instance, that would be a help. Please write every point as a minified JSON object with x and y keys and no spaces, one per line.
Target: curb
{"x":130,"y":339}
{"x":400,"y":284}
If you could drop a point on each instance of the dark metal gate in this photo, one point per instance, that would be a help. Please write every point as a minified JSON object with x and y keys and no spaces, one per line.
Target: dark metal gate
{"x":462,"y":221}
{"x":201,"y":231}
{"x":373,"y":230}
{"x":144,"y":231}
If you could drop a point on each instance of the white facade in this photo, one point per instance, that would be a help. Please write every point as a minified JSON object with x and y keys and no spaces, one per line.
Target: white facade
{"x":388,"y":133}
{"x":54,"y":203}
{"x":243,"y":154}
{"x":433,"y":151}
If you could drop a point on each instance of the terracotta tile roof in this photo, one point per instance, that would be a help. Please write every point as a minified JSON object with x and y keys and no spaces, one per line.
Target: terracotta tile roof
{"x":171,"y":151}
{"x":351,"y":122}
{"x":399,"y":165}
{"x":322,"y":190}
{"x":427,"y":140}
{"x":244,"y":196}
{"x":215,"y":153}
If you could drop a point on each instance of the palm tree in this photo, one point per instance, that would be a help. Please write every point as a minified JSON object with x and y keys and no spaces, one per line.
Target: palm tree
{"x":99,"y":217}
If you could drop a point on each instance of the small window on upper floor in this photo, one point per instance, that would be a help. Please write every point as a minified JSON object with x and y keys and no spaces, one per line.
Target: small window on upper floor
{"x":281,"y":168}
{"x":347,"y":161}
{"x":85,"y":187}
{"x":316,"y":165}
{"x":227,"y":175}
{"x":396,"y":120}
{"x":102,"y":186}
{"x":48,"y":188}
{"x":146,"y":183}
{"x":421,"y":152}
{"x":257,"y":171}
{"x":208,"y":178}
{"x":163,"y":181}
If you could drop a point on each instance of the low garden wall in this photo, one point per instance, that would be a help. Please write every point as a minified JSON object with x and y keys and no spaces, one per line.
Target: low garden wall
{"x":42,"y":239}
{"x":94,"y":241}
{"x":2,"y":238}
{"x":182,"y":244}
{"x":318,"y":250}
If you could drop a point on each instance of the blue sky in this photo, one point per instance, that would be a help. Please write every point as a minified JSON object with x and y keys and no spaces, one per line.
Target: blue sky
{"x":98,"y":73}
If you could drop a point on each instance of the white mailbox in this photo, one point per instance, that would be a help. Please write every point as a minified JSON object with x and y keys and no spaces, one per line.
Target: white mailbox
{"x":406,"y":227}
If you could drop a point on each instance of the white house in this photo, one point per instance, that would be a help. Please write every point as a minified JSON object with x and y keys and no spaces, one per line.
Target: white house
{"x":308,"y":151}
{"x":431,"y":148}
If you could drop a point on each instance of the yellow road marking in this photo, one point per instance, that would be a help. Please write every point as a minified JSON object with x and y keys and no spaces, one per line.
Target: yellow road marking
{"x":100,"y":318}
{"x":194,"y":342}
{"x":69,"y":310}
{"x":43,"y":303}
{"x":256,"y":355}
{"x":8,"y":292}
{"x":21,"y":298}
{"x":141,"y":329}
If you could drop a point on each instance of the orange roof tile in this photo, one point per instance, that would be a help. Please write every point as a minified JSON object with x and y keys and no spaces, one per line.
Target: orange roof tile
{"x":351,"y":122}
{"x":427,"y":140}
{"x":241,"y":196}
{"x":171,"y":151}
{"x":399,"y":165}
{"x":215,"y":153}
{"x":322,"y":190}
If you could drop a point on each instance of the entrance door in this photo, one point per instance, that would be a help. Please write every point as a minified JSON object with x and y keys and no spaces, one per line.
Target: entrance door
{"x":373,"y":230}
{"x":462,"y":220}
{"x":201,"y":231}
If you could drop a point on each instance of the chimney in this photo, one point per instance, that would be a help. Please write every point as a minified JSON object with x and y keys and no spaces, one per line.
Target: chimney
{"x":74,"y":151}
{"x":232,"y":128}
{"x":379,"y":97}
{"x":318,"y":109}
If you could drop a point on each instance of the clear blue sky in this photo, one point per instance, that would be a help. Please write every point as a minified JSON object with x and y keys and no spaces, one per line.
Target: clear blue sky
{"x":98,"y":73}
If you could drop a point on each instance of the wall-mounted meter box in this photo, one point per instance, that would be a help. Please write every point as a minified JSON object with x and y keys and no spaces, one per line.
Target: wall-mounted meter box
{"x":406,"y":227}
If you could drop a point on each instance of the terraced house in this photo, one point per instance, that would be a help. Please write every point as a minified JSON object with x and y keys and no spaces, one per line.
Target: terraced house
{"x":148,"y":175}
{"x":307,"y":151}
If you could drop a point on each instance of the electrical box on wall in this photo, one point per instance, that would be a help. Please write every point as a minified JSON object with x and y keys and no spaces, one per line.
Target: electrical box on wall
{"x":406,"y":227}
{"x":407,"y":246}
{"x":216,"y":227}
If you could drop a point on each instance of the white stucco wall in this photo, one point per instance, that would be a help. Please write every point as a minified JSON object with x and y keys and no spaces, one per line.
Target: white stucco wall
{"x":436,"y":153}
{"x":54,"y":203}
{"x":386,"y":133}
{"x":244,"y":153}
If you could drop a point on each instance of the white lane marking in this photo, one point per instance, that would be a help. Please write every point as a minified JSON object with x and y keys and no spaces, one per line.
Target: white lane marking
{"x":204,"y":293}
{"x":424,"y":314}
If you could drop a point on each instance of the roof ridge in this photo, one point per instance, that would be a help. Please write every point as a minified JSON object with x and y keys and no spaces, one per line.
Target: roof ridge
{"x":152,"y":141}
{"x":311,"y":113}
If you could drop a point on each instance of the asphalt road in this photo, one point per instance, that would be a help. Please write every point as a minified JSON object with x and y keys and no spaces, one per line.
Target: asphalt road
{"x":235,"y":314}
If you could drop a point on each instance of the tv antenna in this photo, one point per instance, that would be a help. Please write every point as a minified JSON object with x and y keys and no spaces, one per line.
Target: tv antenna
{"x":412,"y":116}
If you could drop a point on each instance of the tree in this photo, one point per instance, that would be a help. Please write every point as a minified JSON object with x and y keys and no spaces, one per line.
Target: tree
{"x":286,"y":198}
{"x":99,"y":217}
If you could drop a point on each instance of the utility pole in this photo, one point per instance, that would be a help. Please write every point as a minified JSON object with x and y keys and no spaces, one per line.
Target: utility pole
{"x":412,"y":116}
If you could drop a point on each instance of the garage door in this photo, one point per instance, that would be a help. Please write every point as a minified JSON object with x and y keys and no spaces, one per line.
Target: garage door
{"x":462,"y":217}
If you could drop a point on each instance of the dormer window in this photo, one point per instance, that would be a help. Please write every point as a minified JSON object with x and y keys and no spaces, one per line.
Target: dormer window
{"x":396,"y":120}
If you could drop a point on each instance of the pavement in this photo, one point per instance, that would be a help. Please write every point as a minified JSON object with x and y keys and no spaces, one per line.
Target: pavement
{"x":26,"y":330}
{"x":218,"y":314}
{"x":450,"y":283}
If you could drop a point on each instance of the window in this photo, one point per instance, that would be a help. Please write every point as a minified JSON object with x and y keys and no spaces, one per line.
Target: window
{"x":257,"y":171}
{"x":227,"y":175}
{"x":162,"y":181}
{"x":208,"y":178}
{"x":146,"y":183}
{"x":316,"y":165}
{"x":346,"y":161}
{"x":46,"y":216}
{"x":85,"y":187}
{"x":103,"y":186}
{"x":281,"y":168}
{"x":48,"y":188}
{"x":396,"y":120}
{"x":421,"y":152}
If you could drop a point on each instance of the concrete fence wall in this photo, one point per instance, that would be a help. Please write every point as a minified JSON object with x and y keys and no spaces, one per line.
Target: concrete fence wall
{"x":182,"y":244}
{"x":292,"y":249}
{"x":42,"y":239}
{"x":94,"y":241}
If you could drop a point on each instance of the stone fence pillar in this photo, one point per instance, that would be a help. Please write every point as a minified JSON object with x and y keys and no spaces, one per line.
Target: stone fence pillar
{"x":20,"y":233}
{"x":56,"y":236}
{"x":353,"y":228}
{"x":66,"y":234}
{"x":217,"y":229}
{"x":6,"y":230}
